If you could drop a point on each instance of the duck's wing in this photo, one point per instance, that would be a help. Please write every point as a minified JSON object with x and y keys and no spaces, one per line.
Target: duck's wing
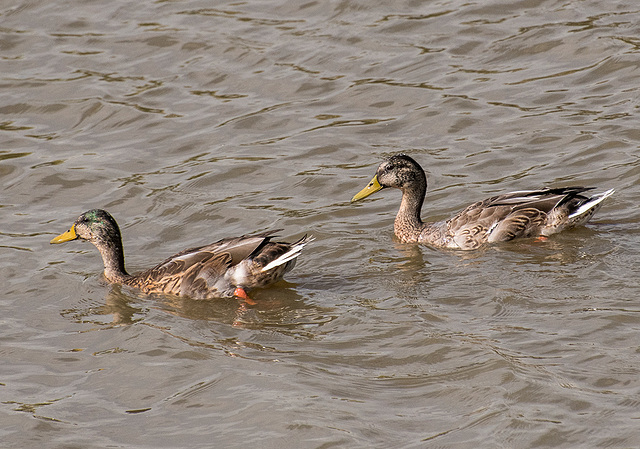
{"x":200,"y":272}
{"x":514,"y":215}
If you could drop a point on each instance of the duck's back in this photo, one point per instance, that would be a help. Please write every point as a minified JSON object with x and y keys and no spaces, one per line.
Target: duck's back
{"x":201,"y":272}
{"x":514,"y":215}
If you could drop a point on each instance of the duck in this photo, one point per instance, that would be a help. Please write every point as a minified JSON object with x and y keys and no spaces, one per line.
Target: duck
{"x":227,"y":268}
{"x":514,"y":215}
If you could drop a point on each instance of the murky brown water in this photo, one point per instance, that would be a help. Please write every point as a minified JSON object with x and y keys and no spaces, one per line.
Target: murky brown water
{"x":193,"y":120}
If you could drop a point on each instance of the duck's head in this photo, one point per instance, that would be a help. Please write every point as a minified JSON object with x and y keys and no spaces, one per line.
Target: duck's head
{"x":96,"y":226}
{"x":399,"y":171}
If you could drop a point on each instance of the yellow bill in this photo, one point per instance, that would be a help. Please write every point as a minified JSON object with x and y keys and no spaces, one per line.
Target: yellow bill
{"x":67,"y":236}
{"x":372,"y":187}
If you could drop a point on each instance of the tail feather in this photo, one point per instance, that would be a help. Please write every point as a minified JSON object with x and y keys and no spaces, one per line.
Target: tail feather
{"x":294,"y":252}
{"x":592,"y":204}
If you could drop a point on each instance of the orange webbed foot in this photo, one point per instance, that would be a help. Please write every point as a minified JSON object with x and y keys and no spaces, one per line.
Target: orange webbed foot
{"x":239,"y":292}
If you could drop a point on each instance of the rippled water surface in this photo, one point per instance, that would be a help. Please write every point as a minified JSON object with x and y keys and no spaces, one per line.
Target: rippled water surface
{"x":193,"y":120}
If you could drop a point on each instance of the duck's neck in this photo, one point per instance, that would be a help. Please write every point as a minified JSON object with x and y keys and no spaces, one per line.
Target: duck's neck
{"x":113,"y":258}
{"x":408,"y":224}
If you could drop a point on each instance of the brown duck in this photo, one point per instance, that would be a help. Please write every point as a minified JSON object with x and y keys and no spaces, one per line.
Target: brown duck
{"x":228,"y":267}
{"x":526,"y":213}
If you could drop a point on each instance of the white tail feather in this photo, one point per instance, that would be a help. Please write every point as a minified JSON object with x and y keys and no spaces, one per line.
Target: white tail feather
{"x":593,"y":202}
{"x":289,"y":255}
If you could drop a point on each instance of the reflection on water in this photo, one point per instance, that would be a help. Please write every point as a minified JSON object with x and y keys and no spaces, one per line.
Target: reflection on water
{"x":115,"y":310}
{"x":282,"y":310}
{"x":191,"y":123}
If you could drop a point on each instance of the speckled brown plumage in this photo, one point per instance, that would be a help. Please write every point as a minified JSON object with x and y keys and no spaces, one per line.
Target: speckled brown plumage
{"x":526,"y":213}
{"x":210,"y":271}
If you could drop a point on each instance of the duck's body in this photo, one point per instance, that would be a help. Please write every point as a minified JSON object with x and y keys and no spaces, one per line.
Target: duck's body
{"x":226,"y":268}
{"x":527,"y":213}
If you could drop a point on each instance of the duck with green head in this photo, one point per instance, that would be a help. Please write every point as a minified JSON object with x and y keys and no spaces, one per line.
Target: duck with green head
{"x":521,"y":214}
{"x":228,"y":267}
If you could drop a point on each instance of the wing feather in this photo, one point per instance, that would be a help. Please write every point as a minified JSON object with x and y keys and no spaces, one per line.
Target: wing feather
{"x":517,"y":214}
{"x":199,"y":272}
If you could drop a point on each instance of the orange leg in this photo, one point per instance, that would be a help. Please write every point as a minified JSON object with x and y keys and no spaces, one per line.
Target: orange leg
{"x":240,"y":293}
